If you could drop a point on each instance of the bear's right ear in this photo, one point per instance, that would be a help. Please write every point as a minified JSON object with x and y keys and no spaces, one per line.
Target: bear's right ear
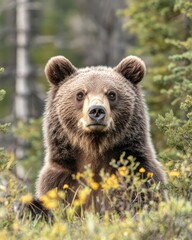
{"x":132,"y":68}
{"x":58,"y":68}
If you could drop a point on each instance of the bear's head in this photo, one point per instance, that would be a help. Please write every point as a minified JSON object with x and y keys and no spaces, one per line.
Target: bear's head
{"x":94,"y":105}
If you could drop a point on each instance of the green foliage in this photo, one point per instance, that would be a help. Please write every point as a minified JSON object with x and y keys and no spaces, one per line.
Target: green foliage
{"x":2,"y":106}
{"x":2,"y":94}
{"x":177,"y":124}
{"x":178,"y":132}
{"x":3,"y":127}
{"x":9,"y":187}
{"x":151,"y":29}
{"x":185,"y":7}
{"x":4,"y":164}
{"x":31,"y":133}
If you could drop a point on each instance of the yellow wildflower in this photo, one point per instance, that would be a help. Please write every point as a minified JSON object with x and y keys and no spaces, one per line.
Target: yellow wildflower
{"x":149,"y":174}
{"x":142,"y":170}
{"x":174,"y":174}
{"x":52,"y":193}
{"x":27,"y":198}
{"x":65,"y":186}
{"x":61,"y":194}
{"x":58,"y":228}
{"x":123,"y":171}
{"x":44,"y":198}
{"x":111,"y":182}
{"x":76,"y":203}
{"x":94,"y":185}
{"x":16,"y":226}
{"x":51,"y":204}
{"x":78,"y":175}
{"x":83,"y":194}
{"x":50,"y":199}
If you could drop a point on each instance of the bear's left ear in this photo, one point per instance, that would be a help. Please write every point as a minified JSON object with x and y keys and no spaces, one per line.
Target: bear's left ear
{"x":132,"y":68}
{"x":58,"y":69}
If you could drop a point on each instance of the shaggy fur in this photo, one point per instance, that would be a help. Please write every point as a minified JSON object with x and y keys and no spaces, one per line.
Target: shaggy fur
{"x":70,"y":144}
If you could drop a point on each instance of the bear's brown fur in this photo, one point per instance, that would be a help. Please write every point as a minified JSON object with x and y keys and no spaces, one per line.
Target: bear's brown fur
{"x":93,"y":115}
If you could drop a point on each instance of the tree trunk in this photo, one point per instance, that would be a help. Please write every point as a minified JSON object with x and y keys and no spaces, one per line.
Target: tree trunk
{"x":22,"y":86}
{"x":22,"y":83}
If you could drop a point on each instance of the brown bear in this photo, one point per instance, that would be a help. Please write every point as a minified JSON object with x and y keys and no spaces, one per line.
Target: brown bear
{"x":92,"y":115}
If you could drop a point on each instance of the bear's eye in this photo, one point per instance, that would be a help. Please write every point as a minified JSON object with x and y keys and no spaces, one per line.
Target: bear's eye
{"x":80,"y":96}
{"x":112,"y":96}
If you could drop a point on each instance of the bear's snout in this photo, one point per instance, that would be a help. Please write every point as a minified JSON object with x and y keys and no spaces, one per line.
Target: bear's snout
{"x":97,"y":113}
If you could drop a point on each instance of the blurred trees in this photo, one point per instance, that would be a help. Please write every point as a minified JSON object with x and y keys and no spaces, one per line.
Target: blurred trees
{"x":102,"y":40}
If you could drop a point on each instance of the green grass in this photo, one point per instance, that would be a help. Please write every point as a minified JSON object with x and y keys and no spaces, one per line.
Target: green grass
{"x":172,"y":220}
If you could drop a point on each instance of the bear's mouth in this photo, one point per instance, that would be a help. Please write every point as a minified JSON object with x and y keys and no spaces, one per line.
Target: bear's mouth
{"x":96,"y":126}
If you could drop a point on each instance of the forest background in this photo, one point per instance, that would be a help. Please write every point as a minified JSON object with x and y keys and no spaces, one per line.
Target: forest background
{"x":97,"y":33}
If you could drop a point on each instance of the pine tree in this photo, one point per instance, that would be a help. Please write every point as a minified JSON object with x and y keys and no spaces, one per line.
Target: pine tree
{"x":156,"y":24}
{"x":153,"y":22}
{"x":177,"y":123}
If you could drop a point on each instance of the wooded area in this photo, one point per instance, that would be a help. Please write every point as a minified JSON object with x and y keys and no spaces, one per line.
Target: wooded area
{"x":96,"y":33}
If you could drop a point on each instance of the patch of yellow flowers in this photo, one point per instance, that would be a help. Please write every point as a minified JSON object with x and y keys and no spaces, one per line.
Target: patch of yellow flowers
{"x":123,"y":171}
{"x":110,"y":182}
{"x":82,"y":196}
{"x":88,"y":177}
{"x":26,"y":198}
{"x":87,"y":184}
{"x":50,"y":200}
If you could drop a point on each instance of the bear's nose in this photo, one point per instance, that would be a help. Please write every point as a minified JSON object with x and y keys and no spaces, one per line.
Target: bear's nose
{"x":97,"y":113}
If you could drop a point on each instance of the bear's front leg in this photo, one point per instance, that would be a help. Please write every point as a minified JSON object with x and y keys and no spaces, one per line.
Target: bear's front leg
{"x":50,"y":177}
{"x":53,"y":176}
